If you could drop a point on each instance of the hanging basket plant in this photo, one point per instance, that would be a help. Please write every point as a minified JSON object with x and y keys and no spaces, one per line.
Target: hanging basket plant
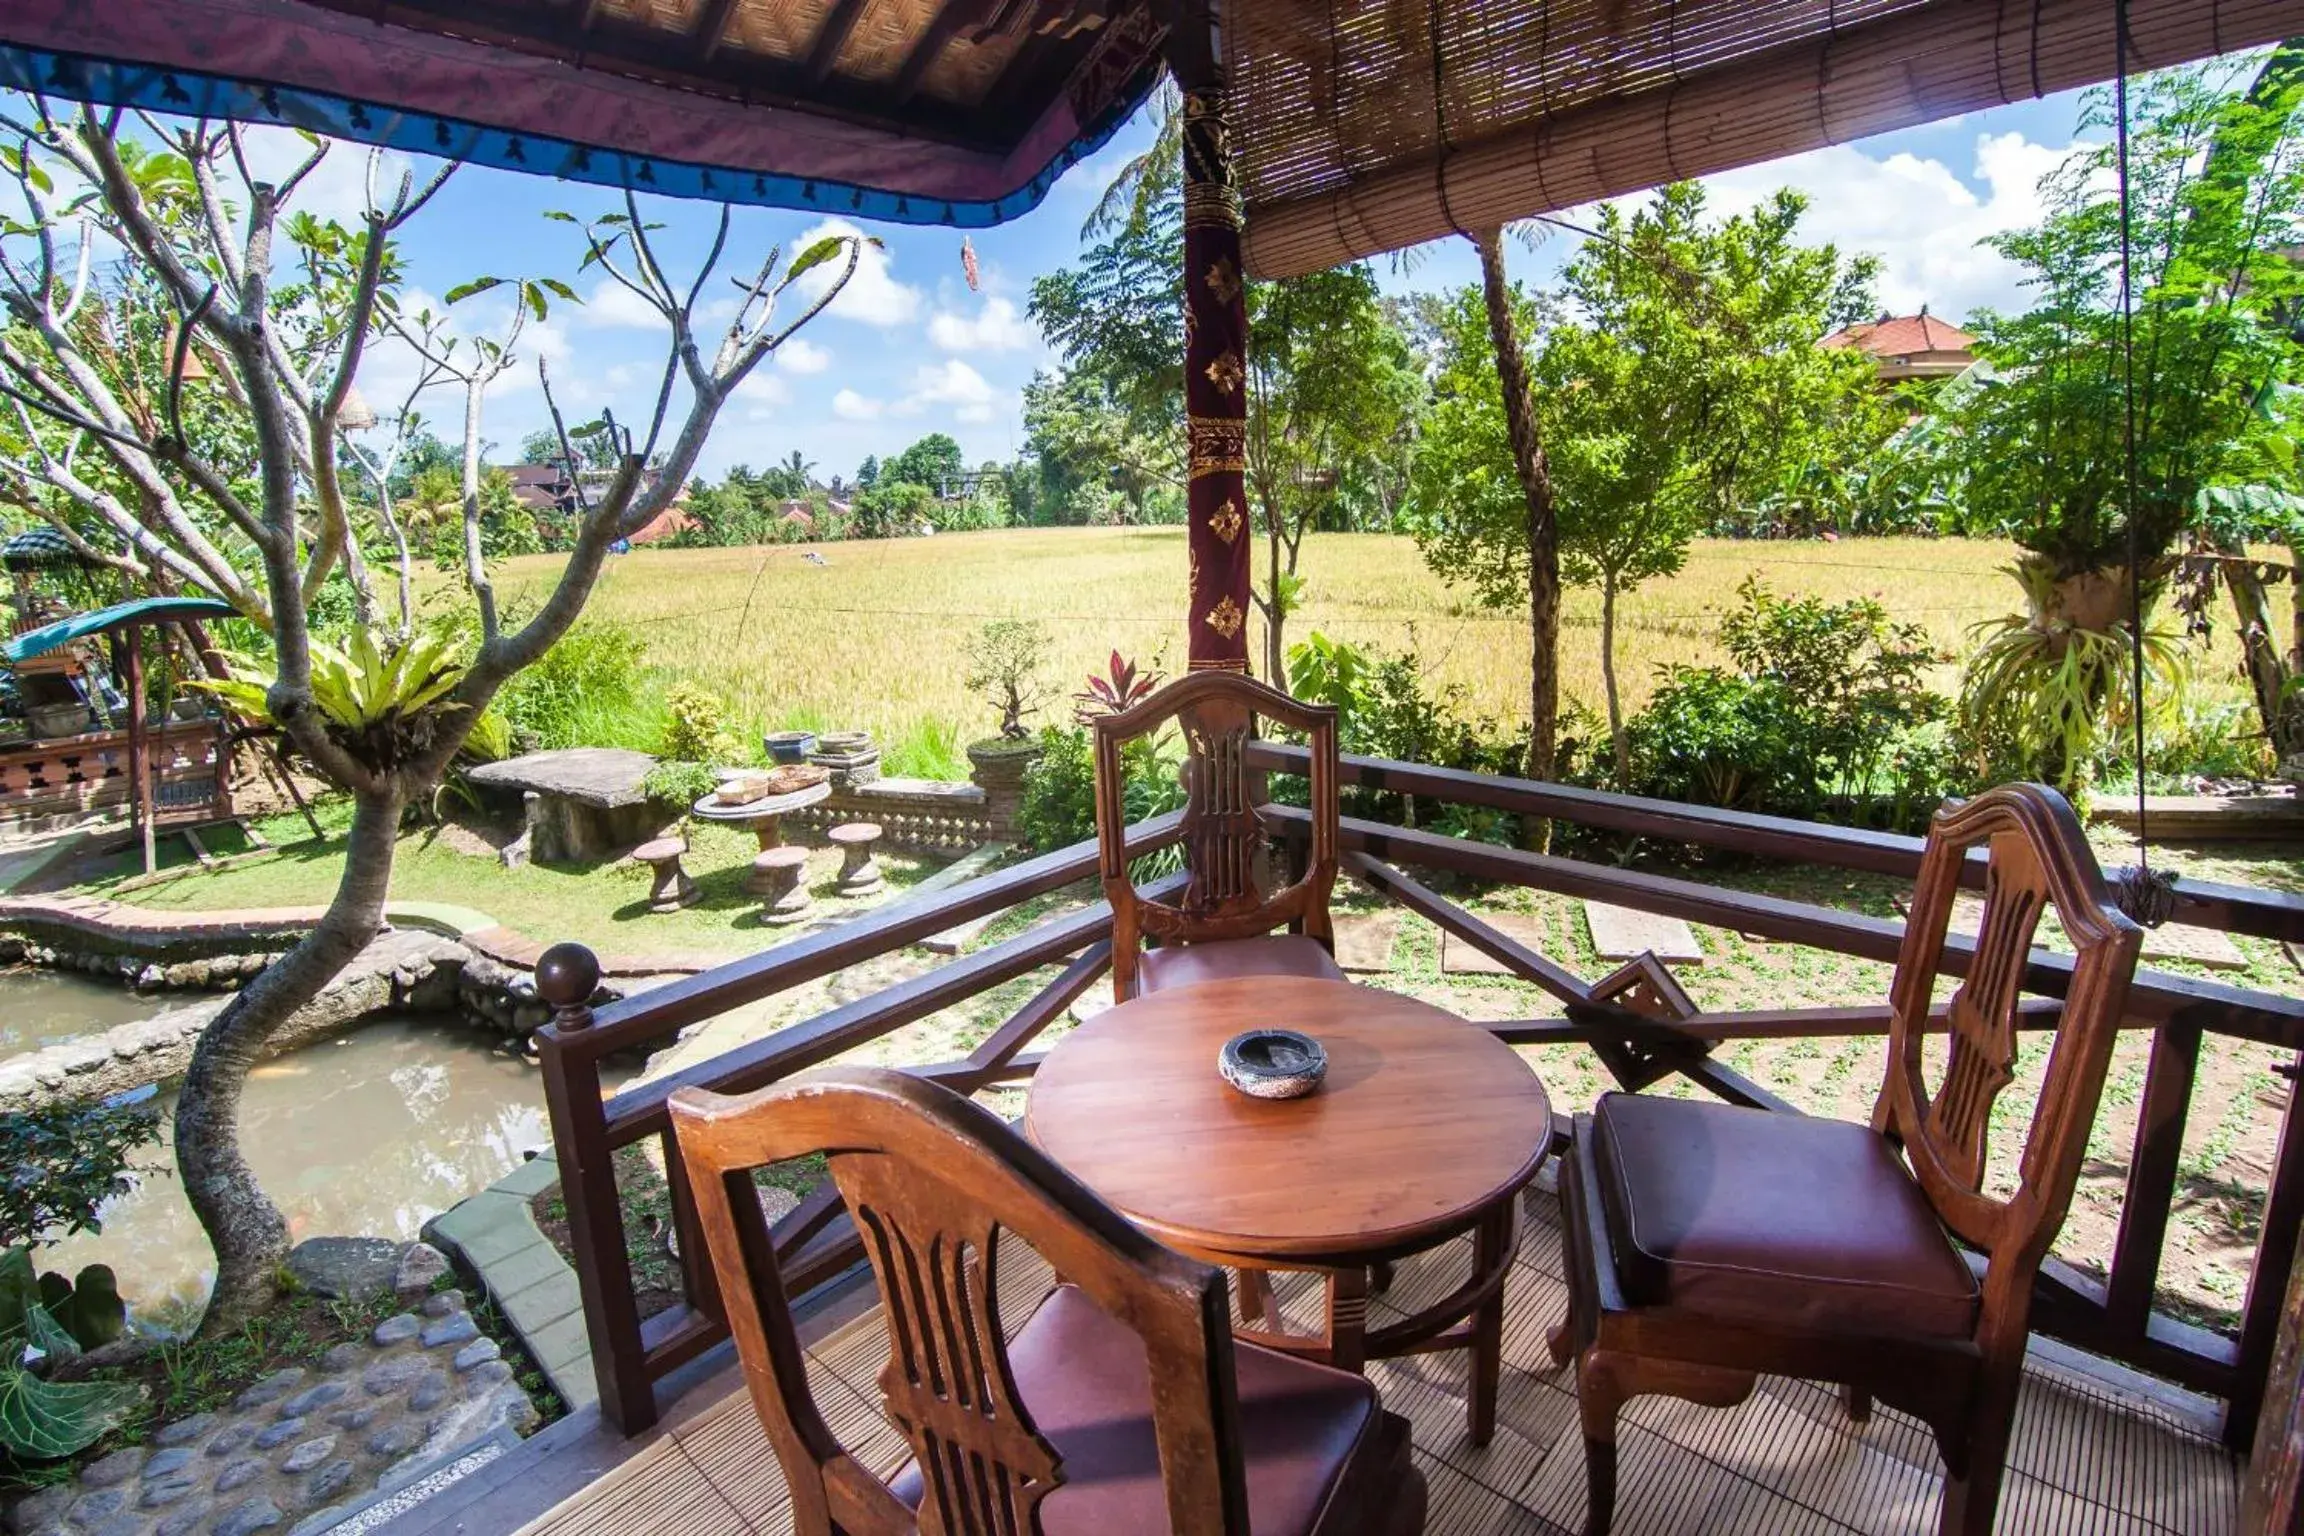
{"x":2051,"y":686}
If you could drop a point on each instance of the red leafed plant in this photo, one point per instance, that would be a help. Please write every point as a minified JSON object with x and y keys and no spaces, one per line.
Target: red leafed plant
{"x":1118,"y":688}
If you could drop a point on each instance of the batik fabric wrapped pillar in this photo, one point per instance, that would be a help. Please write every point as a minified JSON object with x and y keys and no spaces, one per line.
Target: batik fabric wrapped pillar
{"x":1215,"y":389}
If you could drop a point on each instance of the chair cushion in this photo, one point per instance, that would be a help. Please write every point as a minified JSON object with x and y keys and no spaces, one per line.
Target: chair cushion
{"x":1275,"y":954}
{"x":1771,"y":1217}
{"x":1084,"y":1379}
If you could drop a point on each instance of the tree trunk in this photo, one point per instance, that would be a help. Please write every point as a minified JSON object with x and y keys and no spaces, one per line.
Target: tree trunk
{"x":1543,"y":525}
{"x":1616,"y":739}
{"x":248,"y":1233}
{"x":2268,"y":668}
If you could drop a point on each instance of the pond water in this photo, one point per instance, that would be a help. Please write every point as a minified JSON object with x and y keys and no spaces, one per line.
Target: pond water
{"x":371,"y":1132}
{"x":42,"y":1008}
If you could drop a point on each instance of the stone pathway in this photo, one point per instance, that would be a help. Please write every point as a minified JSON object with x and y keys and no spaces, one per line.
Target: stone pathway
{"x":296,"y":1452}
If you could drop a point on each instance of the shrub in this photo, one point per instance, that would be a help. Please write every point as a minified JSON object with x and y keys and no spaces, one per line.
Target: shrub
{"x":1826,"y":714}
{"x":59,"y":1164}
{"x":680,"y":783}
{"x":589,"y":690}
{"x":695,"y":726}
{"x":1385,"y":710}
{"x":1059,"y":805}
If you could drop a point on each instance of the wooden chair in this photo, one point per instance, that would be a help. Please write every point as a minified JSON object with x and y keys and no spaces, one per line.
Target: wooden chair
{"x":1223,"y":925}
{"x":1708,"y":1244}
{"x":1123,"y":1405}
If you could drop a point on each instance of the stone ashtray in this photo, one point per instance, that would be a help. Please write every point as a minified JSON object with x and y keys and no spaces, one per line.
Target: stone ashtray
{"x":1273,"y":1063}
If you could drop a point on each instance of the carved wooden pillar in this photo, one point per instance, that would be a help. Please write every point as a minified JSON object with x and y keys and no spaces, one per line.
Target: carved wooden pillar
{"x":1215,"y":387}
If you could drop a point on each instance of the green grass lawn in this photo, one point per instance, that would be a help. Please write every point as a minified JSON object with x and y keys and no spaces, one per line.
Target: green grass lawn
{"x":603,"y":905}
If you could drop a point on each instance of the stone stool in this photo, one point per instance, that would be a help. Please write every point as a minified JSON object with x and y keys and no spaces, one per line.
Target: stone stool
{"x":780,"y":880}
{"x":673,"y":889}
{"x":859,"y":875}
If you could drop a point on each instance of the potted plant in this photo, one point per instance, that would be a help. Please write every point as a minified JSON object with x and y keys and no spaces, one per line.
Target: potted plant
{"x":1004,"y":665}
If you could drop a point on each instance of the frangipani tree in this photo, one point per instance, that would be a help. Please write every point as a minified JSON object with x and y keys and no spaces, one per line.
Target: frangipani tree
{"x":240,"y":493}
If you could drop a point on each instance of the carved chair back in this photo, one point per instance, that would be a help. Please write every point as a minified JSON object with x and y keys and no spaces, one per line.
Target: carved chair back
{"x":2037,"y":857}
{"x":932,"y":1181}
{"x":1224,"y":832}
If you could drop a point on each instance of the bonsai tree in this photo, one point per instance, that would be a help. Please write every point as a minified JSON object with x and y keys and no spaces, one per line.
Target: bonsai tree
{"x":1004,"y":665}
{"x":236,"y":489}
{"x":2093,"y":441}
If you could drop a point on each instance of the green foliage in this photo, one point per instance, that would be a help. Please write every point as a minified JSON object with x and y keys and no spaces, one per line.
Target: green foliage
{"x":695,"y":726}
{"x":893,"y":509}
{"x":929,"y":749}
{"x":2046,"y":693}
{"x":2217,"y":193}
{"x":589,"y":690}
{"x":1826,"y":715}
{"x":1059,"y":805}
{"x":382,"y":703}
{"x":1004,"y":665}
{"x":1093,"y":462}
{"x":680,"y":783}
{"x":1384,"y":709}
{"x":934,"y":461}
{"x":60,"y":1163}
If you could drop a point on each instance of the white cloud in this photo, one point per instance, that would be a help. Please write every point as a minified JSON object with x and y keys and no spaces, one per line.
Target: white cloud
{"x":997,"y":327}
{"x":953,"y":383}
{"x":800,"y":355}
{"x":763,"y":395}
{"x":612,"y":305}
{"x":872,"y":295}
{"x":851,"y":406}
{"x":1915,"y":214}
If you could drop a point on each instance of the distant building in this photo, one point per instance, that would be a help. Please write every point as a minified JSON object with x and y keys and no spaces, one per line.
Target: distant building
{"x":542,"y":488}
{"x":1909,"y":346}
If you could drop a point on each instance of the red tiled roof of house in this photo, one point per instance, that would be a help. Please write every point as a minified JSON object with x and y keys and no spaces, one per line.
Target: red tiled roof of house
{"x":663,"y":525}
{"x":1903,"y":336}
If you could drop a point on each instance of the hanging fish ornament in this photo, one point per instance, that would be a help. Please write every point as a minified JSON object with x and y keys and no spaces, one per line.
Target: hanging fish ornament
{"x":968,"y":265}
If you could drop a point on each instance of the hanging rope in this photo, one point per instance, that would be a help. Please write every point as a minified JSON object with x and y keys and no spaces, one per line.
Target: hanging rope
{"x":2145,"y":894}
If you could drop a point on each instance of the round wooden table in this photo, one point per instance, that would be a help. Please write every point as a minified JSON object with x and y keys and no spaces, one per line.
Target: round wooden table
{"x":1426,"y":1127}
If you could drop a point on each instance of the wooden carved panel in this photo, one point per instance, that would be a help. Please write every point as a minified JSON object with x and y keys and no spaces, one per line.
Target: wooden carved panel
{"x":1221,"y":831}
{"x":1983,"y":1010}
{"x":947,"y":1383}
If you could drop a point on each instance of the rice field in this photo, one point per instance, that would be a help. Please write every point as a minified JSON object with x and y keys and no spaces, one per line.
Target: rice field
{"x":874,"y":637}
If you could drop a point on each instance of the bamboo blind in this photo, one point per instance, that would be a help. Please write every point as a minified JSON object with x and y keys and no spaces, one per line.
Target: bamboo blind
{"x":1360,"y":131}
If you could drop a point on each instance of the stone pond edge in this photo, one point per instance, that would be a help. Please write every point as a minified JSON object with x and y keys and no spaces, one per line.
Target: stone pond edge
{"x":492,"y":1239}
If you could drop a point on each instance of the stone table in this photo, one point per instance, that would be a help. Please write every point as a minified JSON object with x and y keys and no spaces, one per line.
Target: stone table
{"x":764,"y":816}
{"x":580,"y":802}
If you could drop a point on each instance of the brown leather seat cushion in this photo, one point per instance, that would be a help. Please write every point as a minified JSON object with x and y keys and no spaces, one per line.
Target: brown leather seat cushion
{"x":1277,"y":954}
{"x":1084,"y":1379}
{"x":1780,"y":1218}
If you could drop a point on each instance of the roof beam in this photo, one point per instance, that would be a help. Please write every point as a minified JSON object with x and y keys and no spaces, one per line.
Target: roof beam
{"x":831,"y":37}
{"x":712,"y":27}
{"x":924,"y":53}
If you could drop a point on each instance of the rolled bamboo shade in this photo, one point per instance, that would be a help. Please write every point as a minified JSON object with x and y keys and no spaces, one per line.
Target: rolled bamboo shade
{"x":1364,"y":132}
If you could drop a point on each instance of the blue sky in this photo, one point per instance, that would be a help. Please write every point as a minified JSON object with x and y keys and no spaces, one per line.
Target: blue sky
{"x":910,"y":350}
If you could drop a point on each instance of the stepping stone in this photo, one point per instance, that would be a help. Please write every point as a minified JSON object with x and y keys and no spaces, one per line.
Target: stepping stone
{"x":1364,"y":941}
{"x":1457,"y":958}
{"x":2209,"y":947}
{"x":1621,"y":933}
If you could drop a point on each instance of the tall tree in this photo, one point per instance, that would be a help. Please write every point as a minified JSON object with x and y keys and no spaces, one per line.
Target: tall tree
{"x":1687,"y":383}
{"x":1482,"y":504}
{"x":1332,"y":389}
{"x":2048,"y":452}
{"x":383,"y":716}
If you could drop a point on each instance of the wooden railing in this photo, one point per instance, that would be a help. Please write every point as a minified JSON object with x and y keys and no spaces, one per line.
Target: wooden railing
{"x":1661,"y":1036}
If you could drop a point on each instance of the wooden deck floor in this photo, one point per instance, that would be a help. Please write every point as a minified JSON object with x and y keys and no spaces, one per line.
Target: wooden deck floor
{"x":2088,"y":1461}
